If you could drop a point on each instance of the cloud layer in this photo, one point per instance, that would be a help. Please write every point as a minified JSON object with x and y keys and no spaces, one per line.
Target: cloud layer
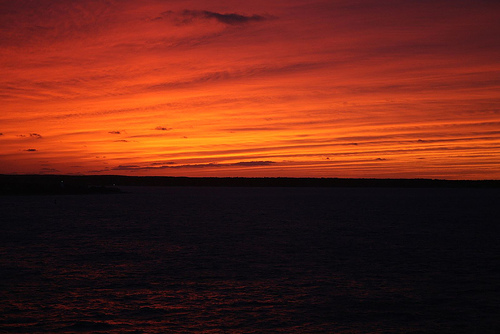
{"x":282,"y":88}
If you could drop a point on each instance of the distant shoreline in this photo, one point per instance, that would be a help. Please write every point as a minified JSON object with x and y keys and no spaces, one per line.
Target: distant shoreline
{"x":88,"y":184}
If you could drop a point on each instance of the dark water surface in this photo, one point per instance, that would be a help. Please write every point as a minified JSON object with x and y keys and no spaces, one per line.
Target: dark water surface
{"x":252,"y":260}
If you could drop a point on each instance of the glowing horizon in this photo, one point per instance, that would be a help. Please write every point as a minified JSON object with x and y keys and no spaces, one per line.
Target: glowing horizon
{"x":286,"y":88}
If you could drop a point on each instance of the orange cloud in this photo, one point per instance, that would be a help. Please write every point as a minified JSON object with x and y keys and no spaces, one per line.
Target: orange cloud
{"x":326,"y":89}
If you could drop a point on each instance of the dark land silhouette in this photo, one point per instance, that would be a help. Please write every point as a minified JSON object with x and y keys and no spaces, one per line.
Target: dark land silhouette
{"x":88,"y":184}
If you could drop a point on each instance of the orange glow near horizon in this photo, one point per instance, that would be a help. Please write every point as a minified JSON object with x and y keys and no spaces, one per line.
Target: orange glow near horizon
{"x":285,"y":88}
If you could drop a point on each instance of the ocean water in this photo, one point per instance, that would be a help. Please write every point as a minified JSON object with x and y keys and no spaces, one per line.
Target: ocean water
{"x":252,"y":260}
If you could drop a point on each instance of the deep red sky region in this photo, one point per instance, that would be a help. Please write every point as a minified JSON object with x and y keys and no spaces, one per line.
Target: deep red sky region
{"x":295,"y":88}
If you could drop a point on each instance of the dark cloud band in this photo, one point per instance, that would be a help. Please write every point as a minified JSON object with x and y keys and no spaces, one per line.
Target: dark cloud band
{"x":208,"y":165}
{"x":188,"y":16}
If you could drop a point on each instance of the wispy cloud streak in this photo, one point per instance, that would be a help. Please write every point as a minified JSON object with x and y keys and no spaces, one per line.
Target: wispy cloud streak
{"x":187,"y":16}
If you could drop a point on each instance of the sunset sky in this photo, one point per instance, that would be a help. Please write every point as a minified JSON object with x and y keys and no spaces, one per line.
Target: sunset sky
{"x":295,"y":88}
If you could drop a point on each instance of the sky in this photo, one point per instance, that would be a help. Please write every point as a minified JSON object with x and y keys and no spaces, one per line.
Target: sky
{"x":336,"y":88}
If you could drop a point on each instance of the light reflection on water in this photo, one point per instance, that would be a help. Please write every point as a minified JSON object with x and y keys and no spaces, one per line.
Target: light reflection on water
{"x":251,"y":260}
